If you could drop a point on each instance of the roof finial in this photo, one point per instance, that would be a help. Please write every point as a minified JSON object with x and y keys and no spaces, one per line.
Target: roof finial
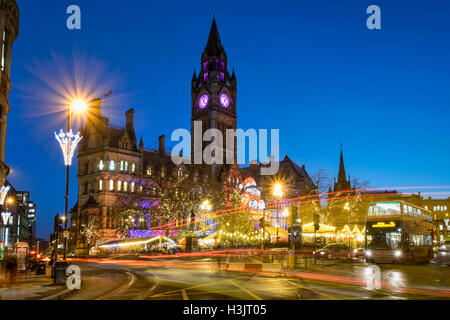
{"x":214,"y":15}
{"x":341,"y":147}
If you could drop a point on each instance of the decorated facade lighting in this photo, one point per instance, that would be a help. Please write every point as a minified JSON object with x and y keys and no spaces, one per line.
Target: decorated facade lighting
{"x":3,"y":192}
{"x":68,"y":143}
{"x":5,"y":216}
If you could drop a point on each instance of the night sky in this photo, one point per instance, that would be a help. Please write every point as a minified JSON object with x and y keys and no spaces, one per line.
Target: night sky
{"x":309,"y":68}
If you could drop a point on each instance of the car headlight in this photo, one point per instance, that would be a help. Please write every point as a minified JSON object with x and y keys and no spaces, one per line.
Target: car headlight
{"x":397,"y":253}
{"x":321,"y":252}
{"x":355,"y":250}
{"x":368,"y":253}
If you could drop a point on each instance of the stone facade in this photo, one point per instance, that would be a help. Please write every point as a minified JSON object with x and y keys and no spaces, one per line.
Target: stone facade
{"x":9,"y":31}
{"x":111,"y":163}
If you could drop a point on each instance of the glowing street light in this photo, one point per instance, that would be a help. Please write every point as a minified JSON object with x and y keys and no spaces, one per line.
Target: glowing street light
{"x":278,"y":192}
{"x":68,"y":141}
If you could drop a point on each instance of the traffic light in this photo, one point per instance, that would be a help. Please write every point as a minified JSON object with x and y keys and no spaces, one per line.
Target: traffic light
{"x":293,"y":216}
{"x":2,"y":250}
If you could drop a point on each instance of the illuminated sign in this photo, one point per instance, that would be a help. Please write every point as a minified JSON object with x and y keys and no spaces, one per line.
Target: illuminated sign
{"x":384,"y":225}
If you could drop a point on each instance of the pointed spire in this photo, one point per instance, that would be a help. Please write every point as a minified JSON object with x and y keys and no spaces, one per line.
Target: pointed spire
{"x":214,"y":46}
{"x":233,"y":76}
{"x":341,"y":175}
{"x":141,"y":144}
{"x":194,"y":77}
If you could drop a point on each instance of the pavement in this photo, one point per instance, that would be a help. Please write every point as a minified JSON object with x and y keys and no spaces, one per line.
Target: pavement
{"x":28,"y":286}
{"x":237,"y":277}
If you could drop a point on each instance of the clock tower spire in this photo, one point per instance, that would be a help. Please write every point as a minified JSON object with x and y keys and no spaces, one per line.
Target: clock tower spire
{"x":213,"y":93}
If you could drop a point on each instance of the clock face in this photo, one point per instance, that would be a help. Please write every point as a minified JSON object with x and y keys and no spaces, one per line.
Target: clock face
{"x":203,"y":102}
{"x":224,"y":100}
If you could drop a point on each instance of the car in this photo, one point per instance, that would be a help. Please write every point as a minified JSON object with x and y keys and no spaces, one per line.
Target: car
{"x":445,"y":246}
{"x":359,"y":252}
{"x":333,"y":251}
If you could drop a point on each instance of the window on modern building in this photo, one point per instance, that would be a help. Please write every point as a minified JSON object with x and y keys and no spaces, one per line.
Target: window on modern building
{"x":125,"y":186}
{"x":100,"y":185}
{"x":111,"y":185}
{"x":121,"y":165}
{"x":100,"y":165}
{"x":133,"y":167}
{"x":112,"y":165}
{"x":132,"y":186}
{"x":149,"y":171}
{"x":119,"y":185}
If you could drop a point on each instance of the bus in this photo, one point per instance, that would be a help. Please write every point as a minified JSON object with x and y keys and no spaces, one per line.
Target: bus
{"x":398,"y":232}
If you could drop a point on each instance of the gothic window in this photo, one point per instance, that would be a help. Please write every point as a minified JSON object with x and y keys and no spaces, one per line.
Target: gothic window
{"x":101,"y":165}
{"x":205,"y":66}
{"x":222,"y":65}
{"x":180,"y":173}
{"x":112,"y":165}
{"x":4,"y":50}
{"x":132,"y":186}
{"x":133,"y":167}
{"x":205,"y":76}
{"x":119,"y":185}
{"x":111,"y":185}
{"x":126,"y":166}
{"x":125,"y":186}
{"x":100,"y":185}
{"x":121,"y":165}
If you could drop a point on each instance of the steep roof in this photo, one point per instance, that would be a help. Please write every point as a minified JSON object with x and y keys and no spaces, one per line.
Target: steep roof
{"x":214,"y":46}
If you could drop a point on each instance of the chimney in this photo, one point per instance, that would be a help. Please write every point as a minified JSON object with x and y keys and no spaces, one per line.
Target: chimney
{"x":130,"y":120}
{"x":162,"y":147}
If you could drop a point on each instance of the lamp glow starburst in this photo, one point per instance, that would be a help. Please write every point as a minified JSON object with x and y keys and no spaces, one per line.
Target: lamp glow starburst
{"x":3,"y":192}
{"x":5,"y":216}
{"x":68,"y":143}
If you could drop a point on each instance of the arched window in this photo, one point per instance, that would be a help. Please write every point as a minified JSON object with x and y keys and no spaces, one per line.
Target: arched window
{"x":125,"y":186}
{"x":100,"y":185}
{"x":111,"y":185}
{"x":132,"y":186}
{"x":119,"y":185}
{"x":149,"y":171}
{"x":101,"y":165}
{"x":112,"y":165}
{"x":133,"y":167}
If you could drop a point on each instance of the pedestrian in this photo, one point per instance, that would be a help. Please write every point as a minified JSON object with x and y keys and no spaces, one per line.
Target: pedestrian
{"x":11,"y":268}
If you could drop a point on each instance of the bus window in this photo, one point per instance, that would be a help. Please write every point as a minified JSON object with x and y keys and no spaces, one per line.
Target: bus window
{"x":414,"y":211}
{"x":384,"y":209}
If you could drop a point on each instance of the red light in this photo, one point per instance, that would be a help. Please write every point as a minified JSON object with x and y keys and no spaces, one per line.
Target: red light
{"x":32,"y":252}
{"x":38,"y":256}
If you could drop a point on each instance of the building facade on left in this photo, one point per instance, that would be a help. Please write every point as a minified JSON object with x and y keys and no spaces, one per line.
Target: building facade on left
{"x":9,"y":31}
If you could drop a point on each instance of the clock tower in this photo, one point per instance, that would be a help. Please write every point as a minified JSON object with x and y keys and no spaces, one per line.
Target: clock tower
{"x":213,"y":92}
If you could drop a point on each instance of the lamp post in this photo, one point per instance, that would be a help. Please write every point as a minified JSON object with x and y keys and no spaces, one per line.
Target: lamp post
{"x":278,"y":192}
{"x":68,"y":143}
{"x":347,"y":208}
{"x":205,"y":206}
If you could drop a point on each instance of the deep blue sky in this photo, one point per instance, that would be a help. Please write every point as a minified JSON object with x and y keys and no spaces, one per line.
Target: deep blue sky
{"x":310,"y":68}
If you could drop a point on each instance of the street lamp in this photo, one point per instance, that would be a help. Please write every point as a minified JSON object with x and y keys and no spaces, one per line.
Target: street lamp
{"x":278,"y":192}
{"x":68,"y":143}
{"x":205,"y":206}
{"x":347,"y":208}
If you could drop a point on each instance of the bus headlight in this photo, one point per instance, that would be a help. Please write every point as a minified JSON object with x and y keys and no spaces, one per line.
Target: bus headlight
{"x":368,"y":253}
{"x":397,"y":253}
